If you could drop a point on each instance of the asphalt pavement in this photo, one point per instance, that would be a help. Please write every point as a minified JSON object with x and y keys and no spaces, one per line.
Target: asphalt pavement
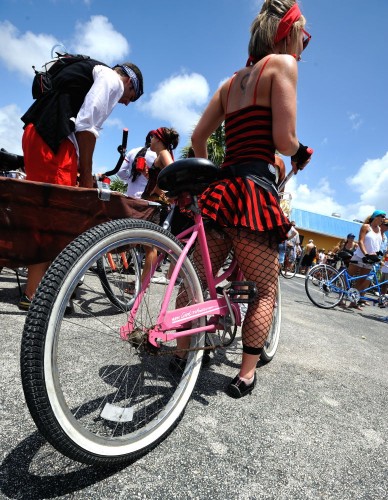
{"x":315,"y":426}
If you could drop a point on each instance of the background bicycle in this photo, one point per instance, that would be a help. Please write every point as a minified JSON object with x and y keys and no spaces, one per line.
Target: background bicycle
{"x":327,"y":286}
{"x":289,"y":265}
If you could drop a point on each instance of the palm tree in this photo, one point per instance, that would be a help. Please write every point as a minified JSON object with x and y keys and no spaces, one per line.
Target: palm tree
{"x":215,"y":146}
{"x":118,"y":185}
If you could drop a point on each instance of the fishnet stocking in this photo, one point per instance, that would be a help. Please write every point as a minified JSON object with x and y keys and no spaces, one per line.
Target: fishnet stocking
{"x":258,"y":261}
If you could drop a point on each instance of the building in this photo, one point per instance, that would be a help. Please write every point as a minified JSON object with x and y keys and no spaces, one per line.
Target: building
{"x":326,"y":231}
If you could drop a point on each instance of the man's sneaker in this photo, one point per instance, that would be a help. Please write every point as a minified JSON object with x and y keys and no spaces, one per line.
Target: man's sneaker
{"x":24,"y":303}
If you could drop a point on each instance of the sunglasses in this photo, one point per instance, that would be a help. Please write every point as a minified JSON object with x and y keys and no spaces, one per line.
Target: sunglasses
{"x":306,"y":38}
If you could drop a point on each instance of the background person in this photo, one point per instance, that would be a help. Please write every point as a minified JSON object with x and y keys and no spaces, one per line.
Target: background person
{"x":61,"y":128}
{"x":322,"y":257}
{"x":279,"y":163}
{"x":134,"y":170}
{"x":369,"y":244}
{"x":346,"y":247}
{"x":384,"y":261}
{"x":162,"y":142}
{"x":310,"y":253}
{"x":261,"y":98}
{"x":293,"y":249}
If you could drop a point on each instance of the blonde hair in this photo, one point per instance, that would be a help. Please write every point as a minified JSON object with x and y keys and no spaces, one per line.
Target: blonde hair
{"x":265,"y":26}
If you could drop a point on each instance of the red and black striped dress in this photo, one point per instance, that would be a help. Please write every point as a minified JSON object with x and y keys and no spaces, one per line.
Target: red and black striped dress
{"x":239,"y":202}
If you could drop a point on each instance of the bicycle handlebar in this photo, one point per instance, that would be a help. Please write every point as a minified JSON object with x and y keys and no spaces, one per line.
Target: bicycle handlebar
{"x":371,"y":259}
{"x":122,"y":150}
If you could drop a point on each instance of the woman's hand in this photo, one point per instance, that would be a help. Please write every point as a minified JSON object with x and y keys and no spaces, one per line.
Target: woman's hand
{"x":301,"y":158}
{"x":296,"y":166}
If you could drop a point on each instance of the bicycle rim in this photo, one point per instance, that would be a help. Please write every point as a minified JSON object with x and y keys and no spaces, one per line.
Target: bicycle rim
{"x":324,"y":287}
{"x":272,"y":342}
{"x":97,"y":398}
{"x":119,"y":273}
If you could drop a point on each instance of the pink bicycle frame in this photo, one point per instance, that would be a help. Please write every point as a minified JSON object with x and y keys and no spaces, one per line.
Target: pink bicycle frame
{"x":178,"y":318}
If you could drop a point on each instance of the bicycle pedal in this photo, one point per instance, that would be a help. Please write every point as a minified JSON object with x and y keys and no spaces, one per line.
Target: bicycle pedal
{"x":246,"y":295}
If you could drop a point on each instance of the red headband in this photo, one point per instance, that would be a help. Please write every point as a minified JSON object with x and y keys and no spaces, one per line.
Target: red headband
{"x":287,"y":21}
{"x":161,"y":135}
{"x":285,"y":25}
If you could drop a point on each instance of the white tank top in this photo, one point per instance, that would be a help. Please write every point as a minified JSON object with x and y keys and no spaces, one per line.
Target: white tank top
{"x":372,"y":243}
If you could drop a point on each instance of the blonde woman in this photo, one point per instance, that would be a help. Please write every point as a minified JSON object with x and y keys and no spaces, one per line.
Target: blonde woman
{"x":369,"y":244}
{"x":258,"y":105}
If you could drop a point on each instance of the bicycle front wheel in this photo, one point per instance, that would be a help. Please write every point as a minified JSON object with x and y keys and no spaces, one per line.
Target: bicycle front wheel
{"x":95,"y":397}
{"x":324,"y":287}
{"x":272,"y":342}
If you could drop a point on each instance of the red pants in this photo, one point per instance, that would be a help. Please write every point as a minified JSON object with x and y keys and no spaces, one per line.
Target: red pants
{"x":42,"y":165}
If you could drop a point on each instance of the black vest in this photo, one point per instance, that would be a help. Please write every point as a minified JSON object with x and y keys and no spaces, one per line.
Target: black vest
{"x":53,"y":114}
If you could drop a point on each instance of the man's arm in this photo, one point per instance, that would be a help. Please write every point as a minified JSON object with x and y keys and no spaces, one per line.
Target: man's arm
{"x":86,"y":143}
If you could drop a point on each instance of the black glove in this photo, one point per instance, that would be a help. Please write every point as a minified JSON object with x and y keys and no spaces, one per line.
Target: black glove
{"x":302,"y":155}
{"x":369,"y":259}
{"x":379,"y":253}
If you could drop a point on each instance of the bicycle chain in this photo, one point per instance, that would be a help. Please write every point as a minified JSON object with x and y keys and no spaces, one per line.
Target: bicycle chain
{"x":173,"y":351}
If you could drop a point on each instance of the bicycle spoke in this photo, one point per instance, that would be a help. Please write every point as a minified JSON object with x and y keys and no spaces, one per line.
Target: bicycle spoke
{"x":110,"y":399}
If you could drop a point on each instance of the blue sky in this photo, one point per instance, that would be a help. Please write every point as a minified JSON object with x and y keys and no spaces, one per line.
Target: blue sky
{"x":185,"y":49}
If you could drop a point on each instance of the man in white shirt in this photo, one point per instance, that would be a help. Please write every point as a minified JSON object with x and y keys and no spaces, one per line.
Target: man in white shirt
{"x":63,"y":124}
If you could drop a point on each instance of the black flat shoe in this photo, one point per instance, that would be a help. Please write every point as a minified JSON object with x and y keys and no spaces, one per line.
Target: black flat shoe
{"x":238,"y":388}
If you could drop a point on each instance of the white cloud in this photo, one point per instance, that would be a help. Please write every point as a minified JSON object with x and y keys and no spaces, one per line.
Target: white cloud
{"x":24,"y":50}
{"x":178,"y":101}
{"x":96,"y":38}
{"x":355,"y":120}
{"x":319,"y":200}
{"x":11,"y":129}
{"x":370,"y":184}
{"x":100,"y":40}
{"x":371,"y":181}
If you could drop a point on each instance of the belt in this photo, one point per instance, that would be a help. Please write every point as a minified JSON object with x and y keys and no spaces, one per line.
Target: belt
{"x":256,"y":171}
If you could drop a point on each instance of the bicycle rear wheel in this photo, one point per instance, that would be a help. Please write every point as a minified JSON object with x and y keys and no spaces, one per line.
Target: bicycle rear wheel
{"x":119,"y":272}
{"x":96,"y":398}
{"x":324,"y":287}
{"x":272,"y":342}
{"x":288,"y":270}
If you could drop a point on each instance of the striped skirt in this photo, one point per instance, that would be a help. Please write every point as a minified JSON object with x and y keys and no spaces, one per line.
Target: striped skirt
{"x":239,"y":202}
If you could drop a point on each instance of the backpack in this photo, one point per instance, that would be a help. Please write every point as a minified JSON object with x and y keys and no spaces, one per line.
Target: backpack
{"x":313,"y":252}
{"x":43,"y":81}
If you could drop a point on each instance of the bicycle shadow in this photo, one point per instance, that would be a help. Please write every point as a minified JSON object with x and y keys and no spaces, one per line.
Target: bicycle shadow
{"x":17,"y":481}
{"x":376,"y":317}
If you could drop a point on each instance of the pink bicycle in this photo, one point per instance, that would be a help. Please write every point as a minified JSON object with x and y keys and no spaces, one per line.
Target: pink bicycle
{"x":99,"y":382}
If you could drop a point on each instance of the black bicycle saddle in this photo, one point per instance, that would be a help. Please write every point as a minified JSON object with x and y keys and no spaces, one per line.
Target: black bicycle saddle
{"x":191,"y":175}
